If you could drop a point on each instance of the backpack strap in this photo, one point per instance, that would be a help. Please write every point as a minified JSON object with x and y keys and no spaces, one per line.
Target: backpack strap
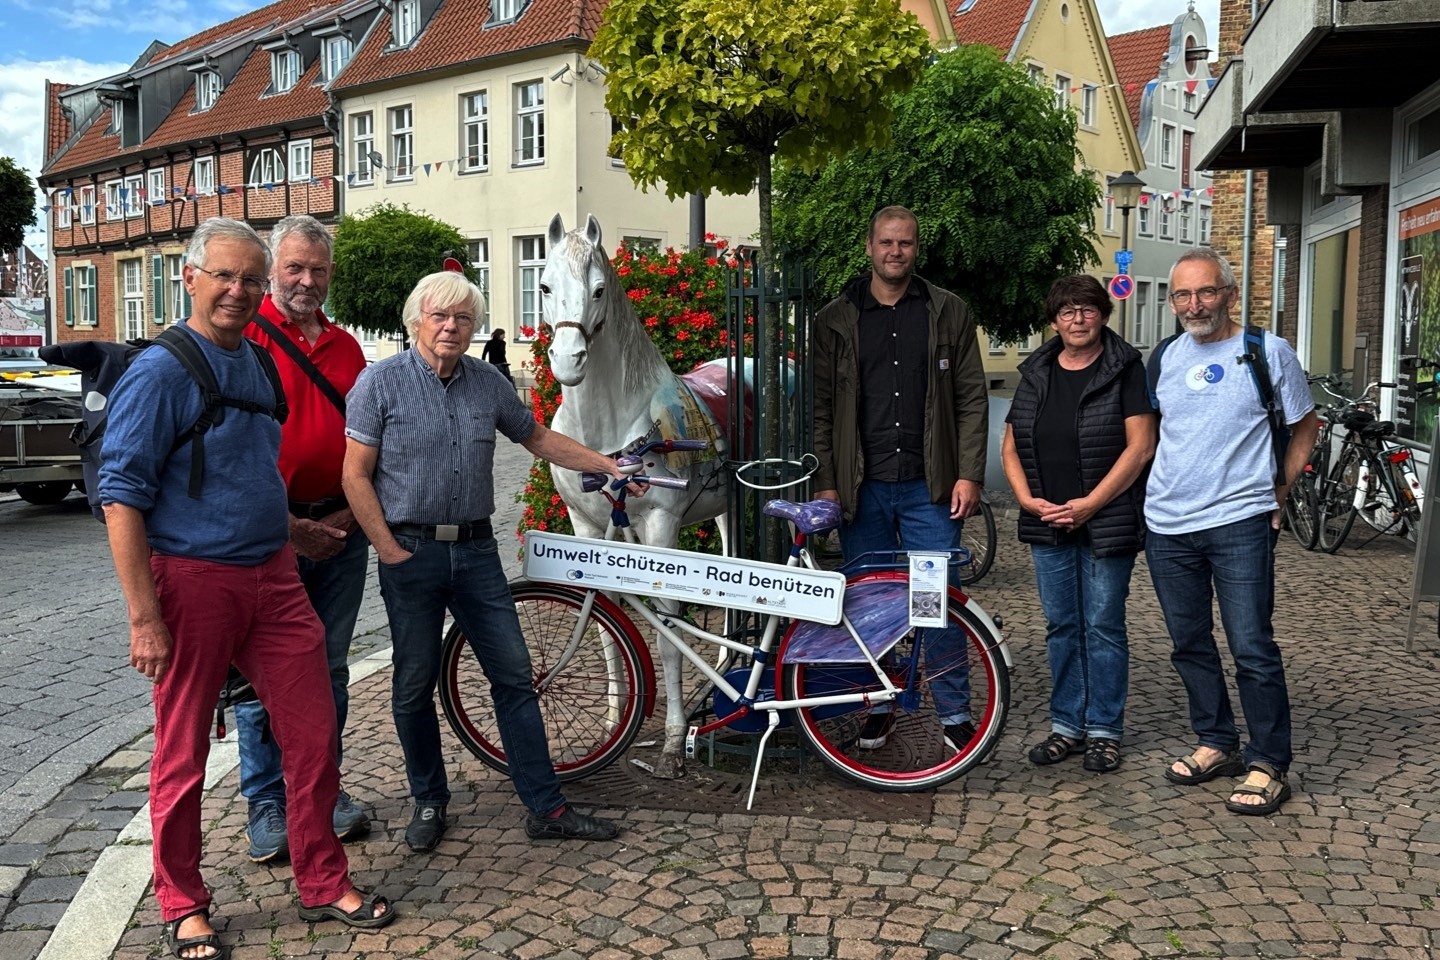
{"x":1152,"y":370}
{"x":281,"y":410}
{"x":1254,"y":358}
{"x":306,"y":365}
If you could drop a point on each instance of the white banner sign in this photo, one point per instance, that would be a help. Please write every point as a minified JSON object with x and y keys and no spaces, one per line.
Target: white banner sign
{"x":680,"y":575}
{"x":928,"y":582}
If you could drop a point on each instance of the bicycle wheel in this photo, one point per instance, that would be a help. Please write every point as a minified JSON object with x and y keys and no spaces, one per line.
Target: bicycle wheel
{"x":1378,"y":506}
{"x":592,"y":710}
{"x":1301,"y":511}
{"x":1337,"y":501}
{"x":914,"y":753}
{"x":978,"y":537}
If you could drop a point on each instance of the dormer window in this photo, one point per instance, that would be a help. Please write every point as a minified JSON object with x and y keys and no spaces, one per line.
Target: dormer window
{"x":407,"y":21}
{"x":207,"y":89}
{"x":117,"y":117}
{"x":504,"y":11}
{"x":284,"y":71}
{"x":337,"y":53}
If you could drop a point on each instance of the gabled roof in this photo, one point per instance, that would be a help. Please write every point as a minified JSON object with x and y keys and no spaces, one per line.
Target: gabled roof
{"x":281,"y":11}
{"x":1137,"y":57}
{"x":457,"y":34}
{"x":995,"y":23}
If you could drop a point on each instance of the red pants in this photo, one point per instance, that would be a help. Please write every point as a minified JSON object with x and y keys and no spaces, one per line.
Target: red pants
{"x":261,"y":619}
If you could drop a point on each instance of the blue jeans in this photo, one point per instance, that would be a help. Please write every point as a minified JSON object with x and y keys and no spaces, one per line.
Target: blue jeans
{"x":1083,"y":597}
{"x":335,"y":588}
{"x":467,"y":579}
{"x":899,"y":516}
{"x":1239,"y":559}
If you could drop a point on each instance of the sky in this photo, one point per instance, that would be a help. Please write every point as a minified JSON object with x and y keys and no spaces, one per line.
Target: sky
{"x":77,"y":41}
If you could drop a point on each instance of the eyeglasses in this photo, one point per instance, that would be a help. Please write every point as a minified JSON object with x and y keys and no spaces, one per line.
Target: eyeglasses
{"x":461,"y":319}
{"x":1072,"y":312}
{"x":1206,"y":295}
{"x":227,"y":279}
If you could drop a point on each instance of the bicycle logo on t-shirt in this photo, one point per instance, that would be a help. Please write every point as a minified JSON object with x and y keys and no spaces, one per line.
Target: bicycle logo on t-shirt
{"x":1203,"y":374}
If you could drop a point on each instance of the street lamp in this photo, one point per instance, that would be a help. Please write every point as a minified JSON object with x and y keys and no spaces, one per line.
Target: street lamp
{"x":1125,"y":191}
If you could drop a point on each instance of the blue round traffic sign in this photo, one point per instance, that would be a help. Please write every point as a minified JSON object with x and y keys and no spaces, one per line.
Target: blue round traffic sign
{"x":1121,"y":286}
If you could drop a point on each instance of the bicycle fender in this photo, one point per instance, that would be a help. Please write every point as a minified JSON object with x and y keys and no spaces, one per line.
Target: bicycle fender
{"x":978,"y":612}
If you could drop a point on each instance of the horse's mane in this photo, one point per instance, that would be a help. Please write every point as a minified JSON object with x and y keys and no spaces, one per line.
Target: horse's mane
{"x":644,"y":367}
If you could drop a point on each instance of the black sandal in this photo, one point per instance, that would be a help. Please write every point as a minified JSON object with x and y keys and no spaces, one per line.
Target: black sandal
{"x":362,"y":917}
{"x":176,"y":944}
{"x":1055,"y":748}
{"x":1102,"y":755}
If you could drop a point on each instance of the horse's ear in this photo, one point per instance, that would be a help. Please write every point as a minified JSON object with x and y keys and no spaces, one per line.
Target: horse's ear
{"x":556,"y":233}
{"x":592,"y":230}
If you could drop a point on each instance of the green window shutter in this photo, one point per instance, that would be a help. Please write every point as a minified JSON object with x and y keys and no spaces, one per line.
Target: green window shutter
{"x":69,"y":297}
{"x":94,"y":299}
{"x":185,"y":297}
{"x":157,"y":286}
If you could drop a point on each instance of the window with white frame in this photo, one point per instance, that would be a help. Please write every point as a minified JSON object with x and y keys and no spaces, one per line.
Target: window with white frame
{"x":1422,"y":137}
{"x":134,"y":203}
{"x":1037,"y":74}
{"x":1144,"y":222}
{"x":1139,"y":323}
{"x":1062,"y":91}
{"x":529,"y":263}
{"x":61,"y":202}
{"x":1109,"y":214}
{"x":479,"y":250}
{"x":298,"y":160}
{"x":1187,"y":215}
{"x":114,"y":206}
{"x":474,"y":131}
{"x":407,"y":21}
{"x":1204,"y":223}
{"x":503,"y":10}
{"x":1167,"y":145}
{"x":402,"y":143}
{"x":530,"y":122}
{"x":207,"y":89}
{"x":86,"y":306}
{"x":117,"y":118}
{"x":177,"y":298}
{"x":85,"y":198}
{"x":1162,"y":310}
{"x":614,"y":152}
{"x":1191,"y":101}
{"x":204,"y":175}
{"x":155,"y":188}
{"x":284,"y":71}
{"x":132,"y":286}
{"x":335,"y":55}
{"x":267,"y":167}
{"x":1167,"y":221}
{"x":362,"y":137}
{"x":1089,"y":105}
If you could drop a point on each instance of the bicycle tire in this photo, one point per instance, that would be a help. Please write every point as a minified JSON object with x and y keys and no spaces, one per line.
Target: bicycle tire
{"x":1337,"y":502}
{"x":981,"y":543}
{"x":592,"y":713}
{"x":915,"y":754}
{"x":1302,"y":511}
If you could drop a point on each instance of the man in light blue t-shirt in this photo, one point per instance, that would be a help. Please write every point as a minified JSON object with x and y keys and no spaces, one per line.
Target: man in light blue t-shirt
{"x":1212,"y":507}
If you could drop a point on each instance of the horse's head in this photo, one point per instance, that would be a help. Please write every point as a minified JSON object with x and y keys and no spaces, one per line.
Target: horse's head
{"x":573,"y":290}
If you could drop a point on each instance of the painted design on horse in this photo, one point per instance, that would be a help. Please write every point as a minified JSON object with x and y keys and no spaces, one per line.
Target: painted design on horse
{"x":616,"y":392}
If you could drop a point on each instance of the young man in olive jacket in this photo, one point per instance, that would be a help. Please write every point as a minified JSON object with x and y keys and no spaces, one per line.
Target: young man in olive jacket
{"x":901,"y":413}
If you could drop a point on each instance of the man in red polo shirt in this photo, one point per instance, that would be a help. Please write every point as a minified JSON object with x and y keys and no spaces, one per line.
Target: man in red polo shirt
{"x":318,"y":364}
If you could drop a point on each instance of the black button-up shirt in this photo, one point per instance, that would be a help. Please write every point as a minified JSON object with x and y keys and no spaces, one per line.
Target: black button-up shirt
{"x":894,"y":376}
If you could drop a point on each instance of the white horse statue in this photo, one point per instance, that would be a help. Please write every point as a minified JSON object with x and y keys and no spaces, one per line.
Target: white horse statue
{"x":629,"y":396}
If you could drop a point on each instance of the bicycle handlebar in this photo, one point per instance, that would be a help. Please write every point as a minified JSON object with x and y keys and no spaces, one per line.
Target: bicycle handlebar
{"x":590,"y":482}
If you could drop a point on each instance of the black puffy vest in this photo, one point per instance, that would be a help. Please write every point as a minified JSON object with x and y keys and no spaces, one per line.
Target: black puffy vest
{"x":1119,"y":526}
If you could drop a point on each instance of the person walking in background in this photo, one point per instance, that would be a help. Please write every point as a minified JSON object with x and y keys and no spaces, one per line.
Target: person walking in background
{"x":1213,"y":510}
{"x":494,"y":354}
{"x":1079,"y":434}
{"x":318,"y":363}
{"x":901,"y":413}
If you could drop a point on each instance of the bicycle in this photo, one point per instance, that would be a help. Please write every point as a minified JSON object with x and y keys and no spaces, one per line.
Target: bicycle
{"x":1373,"y":477}
{"x":1302,"y":503}
{"x":596,"y":680}
{"x":978,"y":536}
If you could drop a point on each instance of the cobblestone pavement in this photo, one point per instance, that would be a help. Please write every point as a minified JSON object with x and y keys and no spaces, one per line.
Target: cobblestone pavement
{"x":1014,"y":862}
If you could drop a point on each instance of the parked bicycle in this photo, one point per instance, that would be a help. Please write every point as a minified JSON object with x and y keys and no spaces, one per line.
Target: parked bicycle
{"x":1371,"y":477}
{"x":596,"y":682}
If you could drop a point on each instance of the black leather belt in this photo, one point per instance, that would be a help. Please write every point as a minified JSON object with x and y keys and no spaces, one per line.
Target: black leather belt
{"x":316,"y":509}
{"x":445,"y":532}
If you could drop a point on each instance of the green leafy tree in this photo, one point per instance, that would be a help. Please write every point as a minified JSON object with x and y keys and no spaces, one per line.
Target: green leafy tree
{"x":989,"y":164}
{"x":710,"y":92}
{"x":380,"y":254}
{"x":17,"y":204}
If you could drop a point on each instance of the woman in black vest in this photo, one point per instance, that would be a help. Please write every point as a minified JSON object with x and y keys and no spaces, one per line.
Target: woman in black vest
{"x":1079,"y":435}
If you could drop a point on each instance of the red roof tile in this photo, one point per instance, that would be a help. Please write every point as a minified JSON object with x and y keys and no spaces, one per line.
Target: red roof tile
{"x":995,"y":23}
{"x":1137,"y":57}
{"x":57,"y":126}
{"x":281,"y":11}
{"x":457,"y":34}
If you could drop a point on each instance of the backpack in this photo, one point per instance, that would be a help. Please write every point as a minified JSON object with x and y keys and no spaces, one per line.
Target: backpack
{"x":1254,"y":359}
{"x":101,"y":365}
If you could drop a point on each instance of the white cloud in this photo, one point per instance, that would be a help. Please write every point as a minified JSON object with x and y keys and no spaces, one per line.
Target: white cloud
{"x":1122,"y":16}
{"x":22,"y":109}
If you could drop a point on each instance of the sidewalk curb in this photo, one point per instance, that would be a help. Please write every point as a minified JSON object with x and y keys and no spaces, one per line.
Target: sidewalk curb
{"x":98,"y":916}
